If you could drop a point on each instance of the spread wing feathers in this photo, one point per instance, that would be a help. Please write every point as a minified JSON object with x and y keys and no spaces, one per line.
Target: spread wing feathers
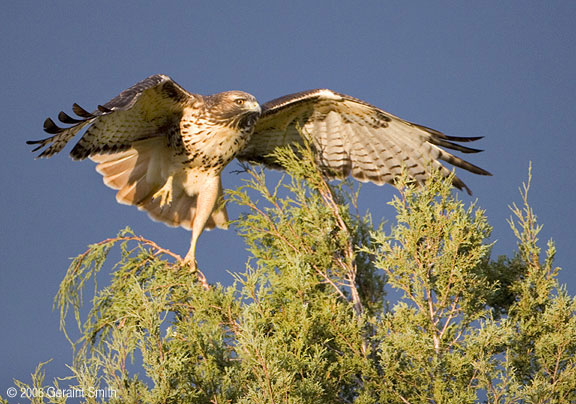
{"x":141,"y":171}
{"x":354,"y":137}
{"x":149,"y":108}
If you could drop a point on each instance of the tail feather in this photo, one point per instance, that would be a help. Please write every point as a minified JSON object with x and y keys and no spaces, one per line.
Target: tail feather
{"x":141,"y":171}
{"x":182,"y":210}
{"x":218,"y":219}
{"x":117,"y":169}
{"x":179,"y":213}
{"x":219,"y":216}
{"x":112,"y":163}
{"x":136,"y":191}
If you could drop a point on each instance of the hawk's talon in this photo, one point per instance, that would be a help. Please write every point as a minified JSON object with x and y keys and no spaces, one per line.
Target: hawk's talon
{"x":192,"y":264}
{"x":164,"y":193}
{"x":165,"y":196}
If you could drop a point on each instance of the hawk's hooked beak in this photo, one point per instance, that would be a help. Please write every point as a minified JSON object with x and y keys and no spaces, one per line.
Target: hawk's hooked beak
{"x":254,"y":106}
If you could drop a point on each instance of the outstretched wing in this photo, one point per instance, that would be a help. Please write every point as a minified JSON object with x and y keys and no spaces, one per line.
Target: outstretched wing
{"x":354,"y":137}
{"x":148,"y":109}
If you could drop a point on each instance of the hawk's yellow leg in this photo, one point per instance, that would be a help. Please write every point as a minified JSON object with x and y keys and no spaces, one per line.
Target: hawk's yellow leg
{"x":205,"y":203}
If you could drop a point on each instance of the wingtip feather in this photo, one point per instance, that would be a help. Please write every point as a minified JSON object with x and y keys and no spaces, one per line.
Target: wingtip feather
{"x":65,"y":118}
{"x":103,"y":109}
{"x":51,"y":127}
{"x":81,"y":112}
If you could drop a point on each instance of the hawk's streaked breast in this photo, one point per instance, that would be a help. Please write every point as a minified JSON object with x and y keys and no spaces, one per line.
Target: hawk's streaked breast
{"x":211,"y":141}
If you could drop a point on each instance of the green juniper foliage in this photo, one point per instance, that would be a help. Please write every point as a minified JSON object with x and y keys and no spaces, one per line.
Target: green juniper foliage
{"x":308,"y":320}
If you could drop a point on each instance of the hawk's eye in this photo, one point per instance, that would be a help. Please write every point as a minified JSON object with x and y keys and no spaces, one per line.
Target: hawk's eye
{"x":239,"y":101}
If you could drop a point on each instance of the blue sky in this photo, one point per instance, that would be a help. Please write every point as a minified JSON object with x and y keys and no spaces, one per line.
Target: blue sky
{"x":503,"y":70}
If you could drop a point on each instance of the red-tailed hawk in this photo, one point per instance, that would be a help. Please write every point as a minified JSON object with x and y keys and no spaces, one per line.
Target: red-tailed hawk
{"x":164,"y":148}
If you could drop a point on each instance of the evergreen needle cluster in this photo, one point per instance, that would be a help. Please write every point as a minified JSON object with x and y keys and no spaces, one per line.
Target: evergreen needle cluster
{"x":308,"y":320}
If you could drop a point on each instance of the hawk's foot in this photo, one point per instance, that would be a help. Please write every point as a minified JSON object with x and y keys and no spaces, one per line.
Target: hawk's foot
{"x":164,"y":193}
{"x":191,"y":264}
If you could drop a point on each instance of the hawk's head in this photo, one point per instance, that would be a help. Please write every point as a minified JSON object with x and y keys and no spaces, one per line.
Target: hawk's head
{"x":233,"y":108}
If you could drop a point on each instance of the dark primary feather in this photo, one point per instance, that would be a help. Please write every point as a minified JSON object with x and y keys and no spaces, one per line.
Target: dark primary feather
{"x":65,"y":118}
{"x":104,"y":110}
{"x":78,"y":110}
